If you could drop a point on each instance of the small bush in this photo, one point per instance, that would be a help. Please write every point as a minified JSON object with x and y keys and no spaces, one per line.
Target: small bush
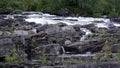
{"x":14,"y":58}
{"x":97,"y":15}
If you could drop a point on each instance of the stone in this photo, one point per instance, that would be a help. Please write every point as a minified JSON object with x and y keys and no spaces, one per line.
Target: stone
{"x":68,"y":28}
{"x":115,"y":48}
{"x":1,"y":33}
{"x":61,"y":24}
{"x":50,"y":49}
{"x":53,"y":30}
{"x":65,"y":12}
{"x":6,"y":46}
{"x":6,"y":22}
{"x":67,"y":42}
{"x":77,"y":27}
{"x":93,"y":45}
{"x":41,"y":27}
{"x":20,"y":32}
{"x":5,"y":11}
{"x":115,"y":20}
{"x":50,"y":52}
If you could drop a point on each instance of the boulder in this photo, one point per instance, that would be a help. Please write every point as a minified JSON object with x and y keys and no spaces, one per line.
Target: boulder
{"x":68,"y":28}
{"x":65,"y":12}
{"x":115,"y":48}
{"x":49,"y":52}
{"x":53,"y":30}
{"x":93,"y":45}
{"x":50,"y":49}
{"x":41,"y":28}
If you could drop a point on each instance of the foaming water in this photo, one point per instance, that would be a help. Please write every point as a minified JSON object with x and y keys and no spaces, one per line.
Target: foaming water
{"x":85,"y":36}
{"x":63,"y":49}
{"x":41,"y":18}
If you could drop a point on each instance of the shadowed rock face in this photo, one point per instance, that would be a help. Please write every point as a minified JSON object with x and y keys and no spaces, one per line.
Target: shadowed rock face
{"x":5,"y":11}
{"x":56,"y":42}
{"x":65,"y":12}
{"x":6,"y":46}
{"x":93,"y":45}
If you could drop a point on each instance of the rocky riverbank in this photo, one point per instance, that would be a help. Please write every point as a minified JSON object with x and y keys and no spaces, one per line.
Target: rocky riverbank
{"x":38,"y":40}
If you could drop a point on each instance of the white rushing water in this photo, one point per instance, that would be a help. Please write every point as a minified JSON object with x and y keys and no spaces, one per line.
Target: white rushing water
{"x":41,"y":18}
{"x":9,"y":17}
{"x":63,"y":50}
{"x":87,"y":32}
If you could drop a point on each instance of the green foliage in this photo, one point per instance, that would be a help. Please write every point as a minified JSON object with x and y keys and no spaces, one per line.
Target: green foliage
{"x":12,"y":27}
{"x":90,"y":36}
{"x":14,"y":58}
{"x":3,"y":4}
{"x":43,"y":58}
{"x":97,"y":15}
{"x":88,"y":7}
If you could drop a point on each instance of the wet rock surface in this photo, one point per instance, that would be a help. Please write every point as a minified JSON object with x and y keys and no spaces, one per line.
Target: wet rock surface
{"x":56,"y":42}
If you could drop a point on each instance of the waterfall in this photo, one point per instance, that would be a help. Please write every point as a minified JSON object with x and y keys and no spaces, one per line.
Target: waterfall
{"x":63,"y":49}
{"x":85,"y":36}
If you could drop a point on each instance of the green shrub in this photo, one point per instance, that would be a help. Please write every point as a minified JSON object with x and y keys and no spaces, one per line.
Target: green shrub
{"x":14,"y":58}
{"x":97,"y":15}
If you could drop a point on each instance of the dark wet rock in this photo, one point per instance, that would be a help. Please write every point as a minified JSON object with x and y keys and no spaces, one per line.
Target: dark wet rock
{"x":2,"y":17}
{"x":94,"y":45}
{"x":106,"y":65}
{"x":50,"y":49}
{"x":101,"y":30}
{"x":61,"y":24}
{"x":91,"y":27}
{"x":7,"y":22}
{"x":77,"y":27}
{"x":101,"y":65}
{"x":41,"y":28}
{"x":65,"y":12}
{"x":19,"y":40}
{"x":60,"y":37}
{"x":11,"y":66}
{"x":115,"y":20}
{"x":50,"y":52}
{"x":40,"y":38}
{"x":24,"y":23}
{"x":113,"y":30}
{"x":115,"y":48}
{"x":5,"y":11}
{"x":6,"y":46}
